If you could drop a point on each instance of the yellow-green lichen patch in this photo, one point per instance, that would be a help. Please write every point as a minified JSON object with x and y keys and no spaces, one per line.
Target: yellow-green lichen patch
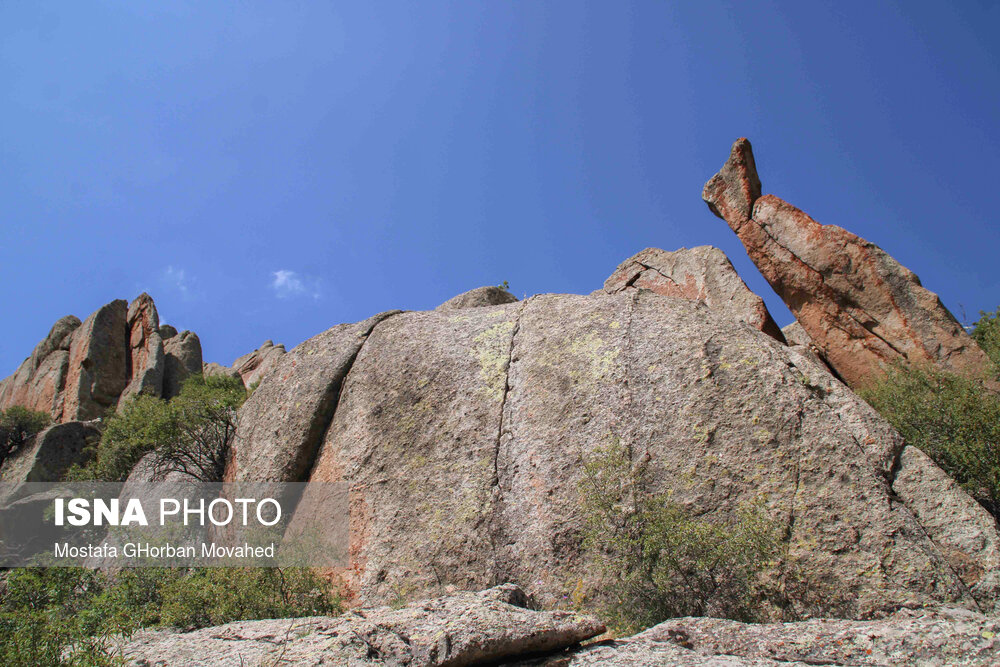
{"x":491,"y":348}
{"x":596,"y":352}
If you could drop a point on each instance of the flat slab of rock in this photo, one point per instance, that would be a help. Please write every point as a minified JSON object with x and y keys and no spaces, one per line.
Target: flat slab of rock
{"x":703,"y":273}
{"x":861,"y":308}
{"x":934,"y":636}
{"x":461,"y":629}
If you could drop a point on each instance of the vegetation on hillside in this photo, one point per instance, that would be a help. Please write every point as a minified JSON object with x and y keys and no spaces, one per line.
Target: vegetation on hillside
{"x":191,"y":433}
{"x":17,"y":424}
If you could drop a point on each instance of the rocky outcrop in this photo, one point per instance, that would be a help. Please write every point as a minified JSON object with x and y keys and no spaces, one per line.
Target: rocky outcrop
{"x":254,"y":366}
{"x":146,"y":358}
{"x":39,"y":381}
{"x":80,"y":371}
{"x":490,"y":627}
{"x":463,"y":434}
{"x":212,"y":369}
{"x":48,"y":455}
{"x":281,"y":424}
{"x":861,"y":307}
{"x":911,"y":637}
{"x":183,"y":359}
{"x":703,"y":273}
{"x":98,"y":363}
{"x":479,"y":297}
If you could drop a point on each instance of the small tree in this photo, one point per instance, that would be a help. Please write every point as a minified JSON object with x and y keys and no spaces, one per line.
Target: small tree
{"x":17,"y":424}
{"x":191,"y":434}
{"x":986,"y":332}
{"x":660,"y":562}
{"x":953,"y":419}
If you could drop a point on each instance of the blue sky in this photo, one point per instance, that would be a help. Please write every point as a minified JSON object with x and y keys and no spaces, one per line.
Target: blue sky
{"x":267,"y":170}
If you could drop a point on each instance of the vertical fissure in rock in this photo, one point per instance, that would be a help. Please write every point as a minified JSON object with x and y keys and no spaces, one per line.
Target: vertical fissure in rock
{"x":495,"y":530}
{"x":327,"y":410}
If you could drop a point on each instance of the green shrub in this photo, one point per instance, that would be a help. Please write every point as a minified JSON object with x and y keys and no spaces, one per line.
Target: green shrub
{"x":191,"y":433}
{"x":72,"y":616}
{"x":658,"y":561}
{"x":17,"y":424}
{"x":954,"y":419}
{"x":986,"y":332}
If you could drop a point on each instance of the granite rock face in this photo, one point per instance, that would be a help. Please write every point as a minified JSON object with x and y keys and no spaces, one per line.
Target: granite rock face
{"x":254,"y":366}
{"x":80,"y":371}
{"x":490,"y":627}
{"x":703,"y":273}
{"x":462,"y":435}
{"x":47,"y":455}
{"x":146,"y":359}
{"x":479,"y":297}
{"x":860,"y":307}
{"x":183,"y":359}
{"x":39,"y":381}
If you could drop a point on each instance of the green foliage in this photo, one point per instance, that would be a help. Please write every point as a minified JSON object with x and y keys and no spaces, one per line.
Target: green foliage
{"x":191,"y":433}
{"x":986,"y":332}
{"x":504,"y":285}
{"x":17,"y":424}
{"x":71,"y":616}
{"x":954,"y":419}
{"x":658,"y":561}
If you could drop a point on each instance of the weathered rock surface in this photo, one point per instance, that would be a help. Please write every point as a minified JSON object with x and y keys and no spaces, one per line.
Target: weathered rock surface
{"x":48,"y":455}
{"x":936,"y":636}
{"x":861,"y":307}
{"x":98,"y":363}
{"x":462,"y":435}
{"x":39,"y":381}
{"x":146,"y":357}
{"x":461,"y":629}
{"x":254,"y":366}
{"x":212,"y":369}
{"x":283,"y":421}
{"x":703,"y":273}
{"x":80,"y":371}
{"x":183,"y":359}
{"x":490,"y":295}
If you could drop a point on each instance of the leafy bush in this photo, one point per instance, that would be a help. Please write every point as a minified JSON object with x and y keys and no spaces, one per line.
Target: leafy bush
{"x":987,"y":333}
{"x":17,"y":424}
{"x":954,"y":419}
{"x":71,"y":616}
{"x":660,"y":562}
{"x":191,"y":433}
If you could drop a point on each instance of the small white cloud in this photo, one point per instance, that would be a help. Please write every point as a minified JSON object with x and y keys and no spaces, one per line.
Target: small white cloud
{"x":178,"y":279}
{"x":287,"y":284}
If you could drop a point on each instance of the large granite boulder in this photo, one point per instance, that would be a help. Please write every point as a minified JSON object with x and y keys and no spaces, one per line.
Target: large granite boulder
{"x":48,"y":455}
{"x":39,"y":381}
{"x":254,"y":366}
{"x":481,"y":296}
{"x":490,"y":627}
{"x":463,"y":435}
{"x":861,"y":307}
{"x":183,"y":359}
{"x":146,"y":357}
{"x":703,"y":273}
{"x":98,"y":363}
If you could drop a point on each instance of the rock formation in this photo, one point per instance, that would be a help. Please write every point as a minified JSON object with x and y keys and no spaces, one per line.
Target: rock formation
{"x":146,"y":359}
{"x":183,"y":359}
{"x":79,"y":371}
{"x":861,"y":307}
{"x":462,"y":434}
{"x":476,"y":298}
{"x":39,"y":381}
{"x":703,"y":273}
{"x":48,"y":455}
{"x":254,"y":366}
{"x":495,"y":627}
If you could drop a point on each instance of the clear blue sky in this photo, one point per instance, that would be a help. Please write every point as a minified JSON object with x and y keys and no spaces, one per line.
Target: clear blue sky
{"x":267,"y":170}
